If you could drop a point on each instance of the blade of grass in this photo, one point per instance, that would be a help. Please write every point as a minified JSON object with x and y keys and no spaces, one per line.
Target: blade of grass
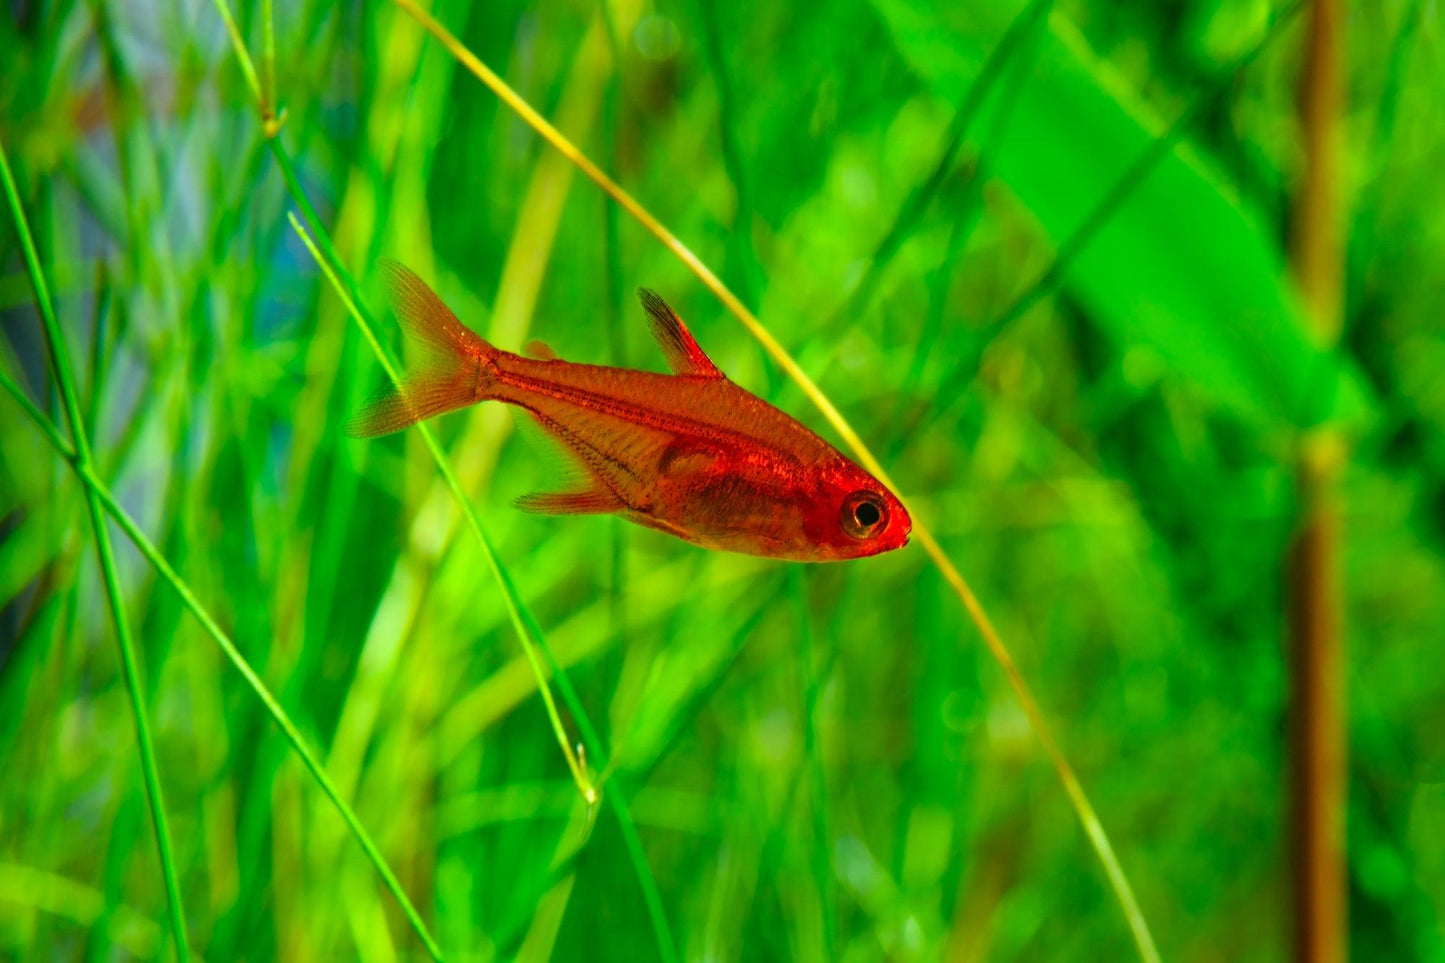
{"x":642,"y":762}
{"x":1020,"y":29}
{"x":60,"y":365}
{"x":1093,"y":828}
{"x":439,"y":521}
{"x":612,"y":257}
{"x":740,"y":237}
{"x":530,"y":635}
{"x":966,"y":217}
{"x":1121,"y":190}
{"x":268,"y":20}
{"x":1140,"y":261}
{"x":346,"y":286}
{"x":509,"y":596}
{"x":1136,"y":174}
{"x":811,"y":681}
{"x":158,"y":561}
{"x":71,"y":899}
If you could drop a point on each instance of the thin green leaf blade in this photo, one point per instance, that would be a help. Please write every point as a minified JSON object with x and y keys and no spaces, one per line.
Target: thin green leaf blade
{"x":1178,"y":265}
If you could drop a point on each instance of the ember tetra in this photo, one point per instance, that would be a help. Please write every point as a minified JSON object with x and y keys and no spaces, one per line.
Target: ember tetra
{"x":690,"y":453}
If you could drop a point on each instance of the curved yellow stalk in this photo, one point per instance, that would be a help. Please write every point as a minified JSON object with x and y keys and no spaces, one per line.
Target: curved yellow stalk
{"x":1093,"y":828}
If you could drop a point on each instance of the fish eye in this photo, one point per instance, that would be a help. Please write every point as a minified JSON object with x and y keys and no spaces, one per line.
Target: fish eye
{"x":864,"y":514}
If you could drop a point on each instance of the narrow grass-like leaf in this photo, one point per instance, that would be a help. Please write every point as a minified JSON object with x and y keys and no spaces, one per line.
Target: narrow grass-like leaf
{"x":526,"y":626}
{"x":1158,"y":252}
{"x":1021,"y":28}
{"x":1078,"y":799}
{"x":192,"y":603}
{"x":61,"y":896}
{"x":345,"y":286}
{"x":509,"y":595}
{"x":70,"y":401}
{"x":811,"y":681}
{"x":529,"y":634}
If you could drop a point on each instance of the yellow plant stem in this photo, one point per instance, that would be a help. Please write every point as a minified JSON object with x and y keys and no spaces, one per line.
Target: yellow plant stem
{"x":1093,"y":828}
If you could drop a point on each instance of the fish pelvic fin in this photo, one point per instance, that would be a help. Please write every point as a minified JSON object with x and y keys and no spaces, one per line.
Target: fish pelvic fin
{"x":459,"y":367}
{"x":683,"y":355}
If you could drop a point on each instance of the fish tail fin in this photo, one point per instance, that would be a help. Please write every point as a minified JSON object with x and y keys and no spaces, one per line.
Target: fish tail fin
{"x":459,"y":370}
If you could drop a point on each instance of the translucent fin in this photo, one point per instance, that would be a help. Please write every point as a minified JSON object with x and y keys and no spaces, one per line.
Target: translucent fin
{"x":583,"y":494}
{"x":558,"y":460}
{"x":424,"y":393}
{"x":539,"y":350}
{"x":424,"y":317}
{"x":683,"y":355}
{"x":457,"y":372}
{"x":594,"y":501}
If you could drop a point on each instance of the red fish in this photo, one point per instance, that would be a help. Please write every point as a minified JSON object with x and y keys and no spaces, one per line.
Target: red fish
{"x":689,"y":453}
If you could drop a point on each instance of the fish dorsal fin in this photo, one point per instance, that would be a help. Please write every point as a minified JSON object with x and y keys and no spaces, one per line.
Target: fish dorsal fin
{"x":683,"y":355}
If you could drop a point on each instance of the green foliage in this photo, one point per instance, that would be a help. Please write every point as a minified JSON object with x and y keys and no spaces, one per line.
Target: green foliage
{"x":1164,"y":257}
{"x":1086,"y":374}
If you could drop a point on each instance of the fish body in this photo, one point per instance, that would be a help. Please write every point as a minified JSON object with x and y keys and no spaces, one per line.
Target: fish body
{"x":689,"y":453}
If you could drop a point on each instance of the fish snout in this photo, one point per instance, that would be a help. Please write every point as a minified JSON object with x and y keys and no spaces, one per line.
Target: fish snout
{"x":907,"y":523}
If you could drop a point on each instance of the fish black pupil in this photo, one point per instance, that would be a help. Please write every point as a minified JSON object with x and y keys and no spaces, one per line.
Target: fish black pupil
{"x":866,"y":514}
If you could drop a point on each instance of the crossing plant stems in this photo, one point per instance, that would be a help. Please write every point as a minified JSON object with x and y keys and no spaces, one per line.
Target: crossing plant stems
{"x":1033,"y":252}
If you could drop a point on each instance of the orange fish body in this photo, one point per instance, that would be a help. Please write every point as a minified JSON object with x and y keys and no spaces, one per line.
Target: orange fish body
{"x":690,"y":453}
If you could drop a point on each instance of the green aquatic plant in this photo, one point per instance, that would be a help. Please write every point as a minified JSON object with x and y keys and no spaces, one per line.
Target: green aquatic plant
{"x":1030,"y":251}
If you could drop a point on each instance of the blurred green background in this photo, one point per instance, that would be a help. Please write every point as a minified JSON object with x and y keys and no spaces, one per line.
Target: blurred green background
{"x":1033,"y":253}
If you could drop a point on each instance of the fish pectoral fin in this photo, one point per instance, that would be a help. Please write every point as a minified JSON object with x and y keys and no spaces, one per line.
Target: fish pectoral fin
{"x":683,"y":355}
{"x":684,"y":458}
{"x":593,"y":501}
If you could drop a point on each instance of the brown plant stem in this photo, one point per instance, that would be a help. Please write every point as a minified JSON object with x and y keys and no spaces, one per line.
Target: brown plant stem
{"x":1317,"y":728}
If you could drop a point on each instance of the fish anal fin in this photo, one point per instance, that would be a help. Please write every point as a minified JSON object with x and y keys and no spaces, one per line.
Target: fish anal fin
{"x":593,"y":501}
{"x":678,"y":346}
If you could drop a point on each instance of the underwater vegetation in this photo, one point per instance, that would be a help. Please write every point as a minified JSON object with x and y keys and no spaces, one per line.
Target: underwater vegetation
{"x":1124,"y":318}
